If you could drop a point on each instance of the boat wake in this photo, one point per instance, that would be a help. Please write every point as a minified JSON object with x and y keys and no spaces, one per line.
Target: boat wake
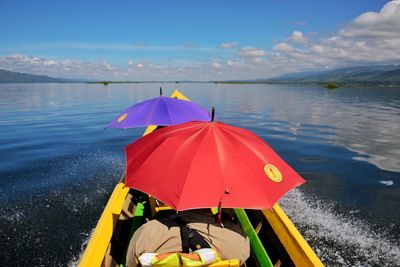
{"x":339,"y":239}
{"x":48,"y":221}
{"x":76,"y":258}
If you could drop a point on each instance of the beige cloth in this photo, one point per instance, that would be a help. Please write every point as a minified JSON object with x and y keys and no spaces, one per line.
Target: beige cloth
{"x":230,"y":242}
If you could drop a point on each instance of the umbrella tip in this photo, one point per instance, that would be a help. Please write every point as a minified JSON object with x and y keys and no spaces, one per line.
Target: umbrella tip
{"x":212,"y":114}
{"x":160,"y":91}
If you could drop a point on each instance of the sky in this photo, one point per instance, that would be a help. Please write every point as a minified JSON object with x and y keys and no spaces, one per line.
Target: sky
{"x":195,"y":40}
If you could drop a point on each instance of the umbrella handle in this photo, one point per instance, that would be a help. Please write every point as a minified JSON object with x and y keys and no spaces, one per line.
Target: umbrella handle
{"x":212,"y":114}
{"x":160,"y":91}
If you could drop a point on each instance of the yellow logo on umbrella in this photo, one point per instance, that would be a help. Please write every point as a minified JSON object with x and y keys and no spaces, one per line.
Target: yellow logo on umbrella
{"x":122,"y":117}
{"x":273,"y":173}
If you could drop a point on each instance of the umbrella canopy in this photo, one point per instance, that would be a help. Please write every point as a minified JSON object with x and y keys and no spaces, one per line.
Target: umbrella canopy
{"x":162,"y":111}
{"x":208,"y":164}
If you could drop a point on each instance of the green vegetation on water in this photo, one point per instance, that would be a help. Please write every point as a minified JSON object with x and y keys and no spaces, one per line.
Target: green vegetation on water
{"x":331,"y":85}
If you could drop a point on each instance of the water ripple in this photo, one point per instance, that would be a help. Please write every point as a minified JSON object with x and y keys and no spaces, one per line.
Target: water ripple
{"x":58,"y":166}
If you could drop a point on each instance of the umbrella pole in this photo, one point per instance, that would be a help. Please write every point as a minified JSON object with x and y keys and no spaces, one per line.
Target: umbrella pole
{"x":219,"y":214}
{"x":226,"y":192}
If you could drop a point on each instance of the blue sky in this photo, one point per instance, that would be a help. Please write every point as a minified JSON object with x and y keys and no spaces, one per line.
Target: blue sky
{"x":202,"y":40}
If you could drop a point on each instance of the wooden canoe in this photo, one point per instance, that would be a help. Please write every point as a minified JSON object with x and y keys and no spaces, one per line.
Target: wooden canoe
{"x":274,"y":240}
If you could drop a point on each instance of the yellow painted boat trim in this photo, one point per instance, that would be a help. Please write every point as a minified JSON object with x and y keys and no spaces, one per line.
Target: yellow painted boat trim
{"x":297,"y":247}
{"x":226,"y":263}
{"x":100,"y":239}
{"x":97,"y":247}
{"x":179,"y":95}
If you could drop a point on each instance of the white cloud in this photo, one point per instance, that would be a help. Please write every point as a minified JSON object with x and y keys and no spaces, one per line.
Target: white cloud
{"x":50,"y":62}
{"x":216,"y":65}
{"x":298,"y":37}
{"x":257,"y":59}
{"x":284,"y":47}
{"x":382,"y":24}
{"x":251,"y":52}
{"x":229,"y":45}
{"x":67,"y":68}
{"x":137,"y":64}
{"x":317,"y":49}
{"x":372,"y":37}
{"x":231,"y":62}
{"x":235,"y":68}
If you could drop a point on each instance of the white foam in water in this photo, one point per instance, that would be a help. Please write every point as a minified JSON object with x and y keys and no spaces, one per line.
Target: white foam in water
{"x":389,"y":183}
{"x":15,"y":217}
{"x":117,"y":165}
{"x":75,"y":259}
{"x":339,"y":240}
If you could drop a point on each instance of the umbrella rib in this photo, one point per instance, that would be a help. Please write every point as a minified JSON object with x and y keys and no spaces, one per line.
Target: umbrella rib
{"x":153,"y":108}
{"x":168,"y":111}
{"x":191,"y":163}
{"x":156,"y":185}
{"x":185,"y":110}
{"x":260,"y":185}
{"x":152,"y":152}
{"x":257,"y":139}
{"x":220,"y":158}
{"x":176,"y":153}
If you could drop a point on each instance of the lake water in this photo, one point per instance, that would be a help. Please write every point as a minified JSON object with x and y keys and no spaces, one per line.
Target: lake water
{"x":58,"y":165}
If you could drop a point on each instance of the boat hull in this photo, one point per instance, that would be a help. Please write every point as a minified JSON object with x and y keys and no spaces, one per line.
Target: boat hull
{"x":272,"y":234}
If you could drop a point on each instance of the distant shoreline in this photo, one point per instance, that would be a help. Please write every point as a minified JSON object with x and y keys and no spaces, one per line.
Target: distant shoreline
{"x":322,"y":84}
{"x":339,"y":84}
{"x":366,"y":76}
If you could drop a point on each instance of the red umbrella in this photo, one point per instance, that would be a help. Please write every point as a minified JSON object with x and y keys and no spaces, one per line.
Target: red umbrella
{"x":208,"y":164}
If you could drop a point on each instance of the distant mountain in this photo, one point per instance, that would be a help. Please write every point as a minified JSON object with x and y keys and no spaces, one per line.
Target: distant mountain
{"x":17,"y":77}
{"x":388,"y":74}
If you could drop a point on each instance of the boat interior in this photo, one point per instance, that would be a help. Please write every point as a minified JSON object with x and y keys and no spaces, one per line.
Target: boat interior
{"x":266,"y":248}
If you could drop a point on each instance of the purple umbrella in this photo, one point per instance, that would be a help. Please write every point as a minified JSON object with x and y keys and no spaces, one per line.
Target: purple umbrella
{"x":161,"y":111}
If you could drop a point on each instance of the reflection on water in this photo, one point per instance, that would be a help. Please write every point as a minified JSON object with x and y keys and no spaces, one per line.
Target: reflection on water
{"x":365,"y":126}
{"x":58,"y":166}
